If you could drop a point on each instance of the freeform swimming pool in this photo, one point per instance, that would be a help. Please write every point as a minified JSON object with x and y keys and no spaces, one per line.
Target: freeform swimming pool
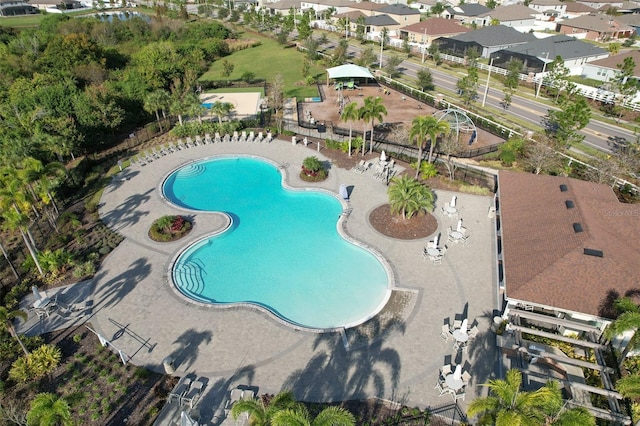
{"x":283,"y":251}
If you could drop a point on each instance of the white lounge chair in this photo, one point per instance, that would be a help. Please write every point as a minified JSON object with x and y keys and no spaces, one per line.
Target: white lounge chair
{"x":217,"y":139}
{"x":234,"y":396}
{"x":466,"y":377}
{"x":260,"y":136}
{"x":226,"y":138}
{"x":235,"y":136}
{"x":180,"y":144}
{"x":192,"y":396}
{"x":207,"y":138}
{"x":189,"y":142}
{"x":243,"y":136}
{"x":268,"y":138}
{"x":251,"y":136}
{"x":445,"y":334}
{"x":358,"y":166}
{"x":180,"y":389}
{"x":199,"y":140}
{"x":366,"y":167}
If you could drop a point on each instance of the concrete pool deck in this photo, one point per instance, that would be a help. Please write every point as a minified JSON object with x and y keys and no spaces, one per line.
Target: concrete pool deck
{"x":399,"y":360}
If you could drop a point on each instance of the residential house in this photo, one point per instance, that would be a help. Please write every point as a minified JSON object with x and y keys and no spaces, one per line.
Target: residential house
{"x":424,"y":6}
{"x":426,"y":32}
{"x":595,"y":26}
{"x":517,"y":16}
{"x":283,"y":7}
{"x":549,"y":10}
{"x":320,"y":7}
{"x":56,"y":4}
{"x":536,"y":53}
{"x":607,"y":70}
{"x":15,"y":8}
{"x":575,"y":9}
{"x":633,"y":20}
{"x":367,"y":8}
{"x":599,"y":4}
{"x":402,"y":14}
{"x":567,"y":248}
{"x":628,"y":7}
{"x":377,"y":23}
{"x":465,"y":13}
{"x":485,"y":40}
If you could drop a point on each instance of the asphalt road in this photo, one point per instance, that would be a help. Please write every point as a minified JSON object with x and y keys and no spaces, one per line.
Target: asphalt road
{"x":597,"y":133}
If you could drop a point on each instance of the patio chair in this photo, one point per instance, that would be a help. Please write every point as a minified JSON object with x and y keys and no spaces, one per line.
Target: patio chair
{"x":155,"y":153}
{"x":260,"y":136}
{"x":251,"y":136}
{"x":217,"y":139}
{"x":199,"y":140}
{"x":192,"y":396}
{"x":180,"y":389}
{"x":133,"y":161}
{"x":189,"y":142}
{"x":445,"y":369}
{"x":358,"y":166}
{"x":473,"y":332}
{"x":243,"y":136}
{"x":445,"y":334}
{"x":148,"y":157}
{"x":458,"y":395}
{"x":235,"y":136}
{"x":441,"y":387}
{"x":226,"y":138}
{"x":180,"y":144}
{"x":171,"y":147}
{"x":268,"y":138}
{"x":457,"y":323}
{"x":443,"y":250}
{"x":207,"y":138}
{"x":466,"y":377}
{"x":367,"y":166}
{"x":437,"y":260}
{"x":234,"y":396}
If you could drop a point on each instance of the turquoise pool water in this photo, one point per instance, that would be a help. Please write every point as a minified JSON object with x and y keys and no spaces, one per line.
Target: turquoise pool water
{"x":283,"y":251}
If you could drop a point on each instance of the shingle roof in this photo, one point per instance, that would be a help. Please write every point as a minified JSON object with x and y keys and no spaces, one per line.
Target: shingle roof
{"x":547,"y":2}
{"x":514,"y":12}
{"x":495,"y":35}
{"x":367,"y":5}
{"x":596,"y":22}
{"x":543,"y":256}
{"x":632,"y":19}
{"x":613,"y":61}
{"x":575,"y":7}
{"x":561,"y":45}
{"x":437,"y":26}
{"x":399,"y":9}
{"x":472,"y":9}
{"x":381,"y":21}
{"x":284,"y":4}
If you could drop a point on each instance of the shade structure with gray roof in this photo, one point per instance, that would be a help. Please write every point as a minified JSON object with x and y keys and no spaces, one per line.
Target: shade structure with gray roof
{"x":566,"y":244}
{"x":486,"y":40}
{"x":536,"y":53}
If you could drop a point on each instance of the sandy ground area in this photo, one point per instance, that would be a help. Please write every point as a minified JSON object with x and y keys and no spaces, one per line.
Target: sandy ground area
{"x":400,"y":109}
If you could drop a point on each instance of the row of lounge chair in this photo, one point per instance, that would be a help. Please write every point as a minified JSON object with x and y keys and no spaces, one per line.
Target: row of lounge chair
{"x":154,"y":153}
{"x":187,"y":392}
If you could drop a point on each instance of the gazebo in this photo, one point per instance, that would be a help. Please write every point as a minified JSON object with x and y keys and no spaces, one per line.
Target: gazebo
{"x":348,"y":71}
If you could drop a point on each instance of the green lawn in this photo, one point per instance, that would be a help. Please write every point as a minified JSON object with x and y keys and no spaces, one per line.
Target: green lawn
{"x":237,"y":90}
{"x":267,"y":60}
{"x":33,"y":20}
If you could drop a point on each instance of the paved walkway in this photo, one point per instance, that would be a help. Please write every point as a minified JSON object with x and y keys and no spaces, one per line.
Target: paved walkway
{"x":395,"y":360}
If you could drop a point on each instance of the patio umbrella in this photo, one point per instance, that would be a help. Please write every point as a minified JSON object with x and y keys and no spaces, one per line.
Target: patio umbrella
{"x":435,"y":240}
{"x":383,"y":156}
{"x":457,"y":374}
{"x":36,"y":293}
{"x":453,"y":201}
{"x":344,"y":194}
{"x":464,"y":325}
{"x":459,"y":225}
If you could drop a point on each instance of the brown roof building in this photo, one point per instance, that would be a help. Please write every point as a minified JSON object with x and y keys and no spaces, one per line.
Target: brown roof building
{"x":596,"y":26}
{"x":566,"y":245}
{"x":426,"y":31}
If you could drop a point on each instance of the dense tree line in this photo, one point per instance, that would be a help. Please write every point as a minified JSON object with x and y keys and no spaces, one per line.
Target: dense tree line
{"x":72,"y":82}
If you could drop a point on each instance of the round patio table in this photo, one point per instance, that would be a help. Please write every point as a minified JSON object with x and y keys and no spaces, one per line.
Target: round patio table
{"x":453,"y":383}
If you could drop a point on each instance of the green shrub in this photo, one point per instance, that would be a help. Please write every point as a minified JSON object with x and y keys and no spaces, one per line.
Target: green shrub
{"x":77,"y":338}
{"x":85,"y":269}
{"x":142,"y":373}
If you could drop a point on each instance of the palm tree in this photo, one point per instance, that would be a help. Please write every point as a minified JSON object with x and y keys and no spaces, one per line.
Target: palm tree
{"x":350,"y":114}
{"x":47,"y":409}
{"x":507,"y":405}
{"x":629,"y":386}
{"x":628,"y":320}
{"x":261,"y":412}
{"x":423,"y":127}
{"x":371,"y":111}
{"x":156,"y":101}
{"x":221,"y":109}
{"x":409,"y":197}
{"x":330,"y":416}
{"x":6,"y":323}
